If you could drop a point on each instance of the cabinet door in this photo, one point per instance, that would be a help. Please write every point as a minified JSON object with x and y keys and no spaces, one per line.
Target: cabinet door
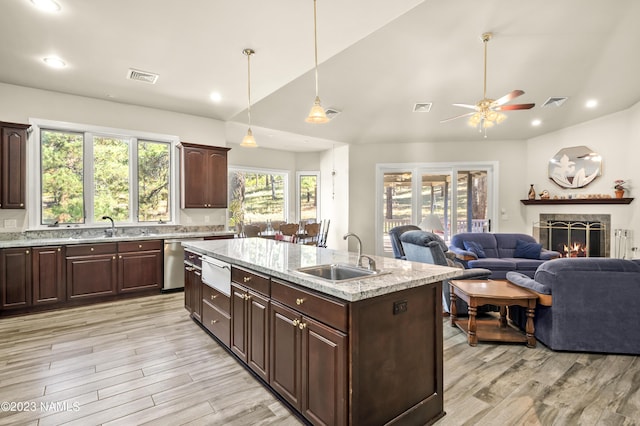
{"x":285,"y":354}
{"x":239,"y":322}
{"x":217,"y":179}
{"x":196,"y":295}
{"x":16,"y":278}
{"x":188,"y":287}
{"x":258,"y":334}
{"x":139,"y":271}
{"x":194,"y":175}
{"x":14,"y":176}
{"x":324,"y":373}
{"x":91,"y":276}
{"x":48,"y":275}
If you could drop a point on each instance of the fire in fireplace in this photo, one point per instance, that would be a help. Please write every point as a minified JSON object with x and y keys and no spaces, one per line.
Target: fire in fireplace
{"x":576,"y":236}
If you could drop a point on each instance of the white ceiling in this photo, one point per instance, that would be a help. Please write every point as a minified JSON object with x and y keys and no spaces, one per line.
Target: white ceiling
{"x":377,"y":59}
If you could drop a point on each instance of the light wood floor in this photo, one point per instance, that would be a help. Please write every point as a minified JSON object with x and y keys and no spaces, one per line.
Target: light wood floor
{"x":144,"y":361}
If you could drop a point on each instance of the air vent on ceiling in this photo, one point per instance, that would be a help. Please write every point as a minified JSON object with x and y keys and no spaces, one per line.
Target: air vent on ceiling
{"x":332,"y":112}
{"x":144,"y":76}
{"x":422,"y":107}
{"x":555,"y":102}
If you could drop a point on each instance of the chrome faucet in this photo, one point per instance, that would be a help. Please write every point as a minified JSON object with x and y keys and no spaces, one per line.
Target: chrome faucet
{"x":110,"y":232}
{"x":372,"y":263}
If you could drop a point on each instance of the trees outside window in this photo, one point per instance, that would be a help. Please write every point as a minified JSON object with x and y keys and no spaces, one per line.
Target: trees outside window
{"x":256,"y":196}
{"x":85,"y":176}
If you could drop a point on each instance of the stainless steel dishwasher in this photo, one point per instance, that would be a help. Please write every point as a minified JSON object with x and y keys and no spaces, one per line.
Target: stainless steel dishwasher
{"x":174,"y":264}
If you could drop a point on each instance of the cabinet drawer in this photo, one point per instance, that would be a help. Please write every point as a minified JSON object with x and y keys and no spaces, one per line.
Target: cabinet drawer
{"x":129,"y":246}
{"x":193,"y":258}
{"x":331,"y":312}
{"x":217,"y":322}
{"x":217,"y":299}
{"x":252,"y":280}
{"x":91,"y":249}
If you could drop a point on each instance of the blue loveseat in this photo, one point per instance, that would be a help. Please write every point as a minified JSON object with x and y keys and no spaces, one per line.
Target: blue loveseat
{"x":500,"y":253}
{"x":588,"y":304}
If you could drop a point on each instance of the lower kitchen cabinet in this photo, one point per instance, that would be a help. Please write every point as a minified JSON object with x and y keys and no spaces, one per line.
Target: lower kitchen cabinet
{"x":250,"y":328}
{"x":193,"y":289}
{"x":216,"y":313}
{"x":48,"y":275}
{"x":139,"y":266}
{"x":15,"y":281}
{"x":91,"y":270}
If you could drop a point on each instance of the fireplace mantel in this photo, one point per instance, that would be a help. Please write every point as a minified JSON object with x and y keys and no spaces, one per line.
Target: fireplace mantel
{"x":578,"y":201}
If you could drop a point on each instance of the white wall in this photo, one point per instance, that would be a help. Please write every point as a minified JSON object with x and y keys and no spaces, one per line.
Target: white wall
{"x":336,"y":194}
{"x":616,"y":137}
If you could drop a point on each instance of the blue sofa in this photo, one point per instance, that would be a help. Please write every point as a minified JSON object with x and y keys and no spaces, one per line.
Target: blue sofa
{"x":500,"y":253}
{"x":590,"y":304}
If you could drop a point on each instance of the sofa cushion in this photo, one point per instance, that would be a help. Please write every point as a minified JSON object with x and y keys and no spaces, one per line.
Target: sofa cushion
{"x":522,"y":280}
{"x":475,"y":248}
{"x":493,"y":264}
{"x":506,"y":243}
{"x":527,"y":250}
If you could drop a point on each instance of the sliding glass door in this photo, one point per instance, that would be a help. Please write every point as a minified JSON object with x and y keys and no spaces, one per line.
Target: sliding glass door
{"x":442,"y":198}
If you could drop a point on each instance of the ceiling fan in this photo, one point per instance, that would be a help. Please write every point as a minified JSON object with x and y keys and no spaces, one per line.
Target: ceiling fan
{"x":487,"y":112}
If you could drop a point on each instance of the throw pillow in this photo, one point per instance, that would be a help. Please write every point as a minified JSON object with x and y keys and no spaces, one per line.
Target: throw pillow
{"x":474,"y":248}
{"x":527,"y":250}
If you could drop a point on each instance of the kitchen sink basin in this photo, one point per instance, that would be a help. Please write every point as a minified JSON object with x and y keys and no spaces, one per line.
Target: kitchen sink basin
{"x":338,"y":272}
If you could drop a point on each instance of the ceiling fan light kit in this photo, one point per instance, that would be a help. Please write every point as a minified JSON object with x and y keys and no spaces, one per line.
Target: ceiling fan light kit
{"x":487,"y":111}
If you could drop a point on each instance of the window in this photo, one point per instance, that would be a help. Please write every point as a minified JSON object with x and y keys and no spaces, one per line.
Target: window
{"x":307,"y":193}
{"x":257,"y":196}
{"x":409,"y":194}
{"x":89,"y":173}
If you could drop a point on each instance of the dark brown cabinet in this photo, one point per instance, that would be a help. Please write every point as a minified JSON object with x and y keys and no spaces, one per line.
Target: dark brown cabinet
{"x":193,"y":285}
{"x":15,"y":281}
{"x":48,"y":275}
{"x":250,"y":320}
{"x":91,"y":270}
{"x":308,"y":358}
{"x":203,"y":176}
{"x":139,"y":266}
{"x":216,"y":313}
{"x":13,"y":163}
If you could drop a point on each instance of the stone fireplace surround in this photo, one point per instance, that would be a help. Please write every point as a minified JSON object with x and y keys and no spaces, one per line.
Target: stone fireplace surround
{"x":541,"y":229}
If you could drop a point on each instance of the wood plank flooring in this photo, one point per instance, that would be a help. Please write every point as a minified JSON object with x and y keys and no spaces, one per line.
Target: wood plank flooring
{"x":144,"y":361}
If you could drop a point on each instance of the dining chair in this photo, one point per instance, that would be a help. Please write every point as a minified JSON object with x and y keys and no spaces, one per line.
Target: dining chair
{"x":324,"y":231}
{"x":311,"y":232}
{"x":251,"y":231}
{"x":289,"y":231}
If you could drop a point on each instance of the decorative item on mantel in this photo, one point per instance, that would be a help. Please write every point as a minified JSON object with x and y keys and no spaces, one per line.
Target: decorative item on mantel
{"x":532,"y":193}
{"x":544,"y":195}
{"x":618,"y":185}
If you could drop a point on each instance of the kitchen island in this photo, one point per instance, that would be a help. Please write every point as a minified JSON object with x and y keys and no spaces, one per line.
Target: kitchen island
{"x":364,"y":351}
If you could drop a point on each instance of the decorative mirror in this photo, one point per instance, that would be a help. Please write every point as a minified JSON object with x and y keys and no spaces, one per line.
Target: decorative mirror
{"x":575,"y":167}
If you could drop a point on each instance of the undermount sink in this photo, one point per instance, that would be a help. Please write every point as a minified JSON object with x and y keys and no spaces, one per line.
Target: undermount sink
{"x":338,"y":272}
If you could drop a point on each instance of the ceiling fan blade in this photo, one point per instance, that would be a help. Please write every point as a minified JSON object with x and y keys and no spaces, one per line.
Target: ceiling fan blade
{"x":457,"y":116}
{"x":465,"y":106}
{"x":513,"y":107}
{"x":506,"y":98}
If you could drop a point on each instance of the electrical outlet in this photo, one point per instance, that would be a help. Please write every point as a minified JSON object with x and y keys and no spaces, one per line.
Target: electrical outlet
{"x":399,"y":307}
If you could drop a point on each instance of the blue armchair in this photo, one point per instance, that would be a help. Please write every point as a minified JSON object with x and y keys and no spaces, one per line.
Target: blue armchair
{"x":394,"y":235}
{"x":426,"y":247}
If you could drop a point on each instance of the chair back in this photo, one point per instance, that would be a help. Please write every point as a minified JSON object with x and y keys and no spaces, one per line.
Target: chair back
{"x":289,"y":229}
{"x":394,"y":236}
{"x":324,"y":231}
{"x":425,"y":247}
{"x":251,"y":231}
{"x":311,"y":231}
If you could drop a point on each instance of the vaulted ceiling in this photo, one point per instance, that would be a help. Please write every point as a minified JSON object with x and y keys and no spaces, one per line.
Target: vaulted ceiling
{"x":377,"y":59}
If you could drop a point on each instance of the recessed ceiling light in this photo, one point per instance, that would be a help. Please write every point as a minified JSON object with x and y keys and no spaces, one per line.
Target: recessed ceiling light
{"x":215,"y":96}
{"x":47,"y":5}
{"x":54,"y":62}
{"x":591,"y":103}
{"x":536,"y":122}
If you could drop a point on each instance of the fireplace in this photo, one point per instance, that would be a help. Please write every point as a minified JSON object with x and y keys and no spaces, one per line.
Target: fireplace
{"x":583,"y":235}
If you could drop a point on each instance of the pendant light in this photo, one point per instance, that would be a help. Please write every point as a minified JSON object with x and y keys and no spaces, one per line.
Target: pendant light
{"x":317,"y":115}
{"x":249,"y":141}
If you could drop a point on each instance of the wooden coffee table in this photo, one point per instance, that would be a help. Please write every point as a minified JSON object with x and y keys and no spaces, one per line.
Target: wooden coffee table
{"x":492,"y":292}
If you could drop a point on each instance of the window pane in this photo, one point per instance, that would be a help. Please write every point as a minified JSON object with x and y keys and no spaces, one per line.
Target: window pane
{"x":472,"y":201}
{"x":256,"y":197}
{"x":61,"y":159}
{"x":435,"y":195}
{"x":111,"y":178}
{"x":309,"y":197}
{"x":153,"y":181}
{"x":397,"y":203}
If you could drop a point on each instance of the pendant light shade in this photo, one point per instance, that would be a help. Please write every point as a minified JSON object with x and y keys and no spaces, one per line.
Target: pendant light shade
{"x":249,"y":141}
{"x":317,"y":115}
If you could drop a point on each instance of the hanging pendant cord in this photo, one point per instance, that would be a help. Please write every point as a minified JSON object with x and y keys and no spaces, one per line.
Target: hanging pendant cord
{"x":315,"y":42}
{"x":249,"y":85}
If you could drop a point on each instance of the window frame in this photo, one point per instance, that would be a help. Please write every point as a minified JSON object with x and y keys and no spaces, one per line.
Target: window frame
{"x":299,"y":175}
{"x":34,"y":174}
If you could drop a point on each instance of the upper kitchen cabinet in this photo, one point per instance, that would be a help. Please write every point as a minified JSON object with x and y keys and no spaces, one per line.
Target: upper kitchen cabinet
{"x":203,"y":176}
{"x":13,"y":156}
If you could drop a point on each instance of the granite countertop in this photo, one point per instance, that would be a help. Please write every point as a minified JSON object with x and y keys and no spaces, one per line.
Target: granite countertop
{"x":37,"y":242}
{"x":280,"y":259}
